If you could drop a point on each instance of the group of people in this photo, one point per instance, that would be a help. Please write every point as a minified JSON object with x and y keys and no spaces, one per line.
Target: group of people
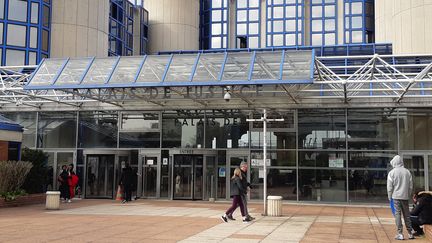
{"x":239,"y":189}
{"x":399,"y":189}
{"x":68,"y":181}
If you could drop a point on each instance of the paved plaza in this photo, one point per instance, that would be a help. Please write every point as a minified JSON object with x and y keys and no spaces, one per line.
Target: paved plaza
{"x":188,"y":221}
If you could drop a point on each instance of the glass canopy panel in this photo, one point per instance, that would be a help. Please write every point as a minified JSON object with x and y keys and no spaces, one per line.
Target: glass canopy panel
{"x":208,"y":67}
{"x":99,"y":71}
{"x":47,"y":72}
{"x":181,"y":67}
{"x":126,"y":70}
{"x":73,"y":72}
{"x":237,"y":66}
{"x":297,"y":66}
{"x":153,"y":69}
{"x":267,"y":65}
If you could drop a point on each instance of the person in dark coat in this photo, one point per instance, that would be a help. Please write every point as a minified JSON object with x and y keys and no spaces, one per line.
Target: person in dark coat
{"x":237,"y":189}
{"x":127,"y":181}
{"x":422,"y":212}
{"x":246,"y":185}
{"x":63,"y":178}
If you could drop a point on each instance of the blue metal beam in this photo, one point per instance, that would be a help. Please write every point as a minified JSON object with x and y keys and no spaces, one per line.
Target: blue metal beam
{"x":140,"y":68}
{"x":112,"y":70}
{"x":195,"y":66}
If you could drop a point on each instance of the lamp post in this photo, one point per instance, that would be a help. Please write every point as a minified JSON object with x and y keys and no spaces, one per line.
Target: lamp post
{"x":264,"y":120}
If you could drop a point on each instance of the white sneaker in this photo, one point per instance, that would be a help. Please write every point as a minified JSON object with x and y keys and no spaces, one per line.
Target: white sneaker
{"x":399,"y":237}
{"x":69,"y":201}
{"x":411,"y":236}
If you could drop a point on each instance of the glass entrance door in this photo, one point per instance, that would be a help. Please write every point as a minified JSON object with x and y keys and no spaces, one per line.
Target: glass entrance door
{"x":150,"y":165}
{"x":100,"y":176}
{"x":188,"y":177}
{"x":417,"y":163}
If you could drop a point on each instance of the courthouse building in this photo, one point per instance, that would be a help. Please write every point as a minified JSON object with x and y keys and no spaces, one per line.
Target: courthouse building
{"x":168,"y":85}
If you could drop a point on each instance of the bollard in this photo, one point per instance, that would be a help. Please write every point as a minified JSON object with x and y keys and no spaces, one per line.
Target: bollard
{"x":274,"y":206}
{"x":52,"y":200}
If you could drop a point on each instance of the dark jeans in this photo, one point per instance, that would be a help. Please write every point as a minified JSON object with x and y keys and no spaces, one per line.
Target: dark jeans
{"x":415,"y":223}
{"x":64,"y":192}
{"x":237,"y":201}
{"x":127,"y":193}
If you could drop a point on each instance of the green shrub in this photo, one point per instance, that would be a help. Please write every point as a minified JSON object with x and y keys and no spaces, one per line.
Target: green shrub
{"x":13,"y":175}
{"x":10,"y":196}
{"x":36,"y":179}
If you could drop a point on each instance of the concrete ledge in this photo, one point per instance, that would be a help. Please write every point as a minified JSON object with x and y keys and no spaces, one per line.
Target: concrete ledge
{"x":23,"y":200}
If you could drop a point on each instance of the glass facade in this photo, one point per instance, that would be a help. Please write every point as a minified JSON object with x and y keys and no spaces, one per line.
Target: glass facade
{"x":248,"y":24}
{"x":329,"y":155}
{"x":323,"y":22}
{"x":24,"y":31}
{"x":214,"y":24}
{"x":285,"y":23}
{"x":359,"y":21}
{"x":121,"y":23}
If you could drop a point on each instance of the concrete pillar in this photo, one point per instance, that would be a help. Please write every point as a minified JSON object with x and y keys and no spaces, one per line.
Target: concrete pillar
{"x":404,"y":24}
{"x":79,"y":28}
{"x":173,"y":25}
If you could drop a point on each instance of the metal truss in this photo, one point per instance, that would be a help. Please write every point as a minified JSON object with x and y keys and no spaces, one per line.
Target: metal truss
{"x":355,"y":81}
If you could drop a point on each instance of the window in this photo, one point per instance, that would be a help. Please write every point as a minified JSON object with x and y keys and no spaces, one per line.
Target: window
{"x":32,"y":58}
{"x":45,"y":40}
{"x":46,"y":17}
{"x":33,"y":37}
{"x":1,"y":33}
{"x":15,"y":57}
{"x":284,"y":23}
{"x":121,"y":31}
{"x":214,"y":24}
{"x":359,"y":16}
{"x":34,"y":13}
{"x":248,"y":25}
{"x":323,"y":22}
{"x":17,"y":10}
{"x":17,"y":35}
{"x":2,"y":2}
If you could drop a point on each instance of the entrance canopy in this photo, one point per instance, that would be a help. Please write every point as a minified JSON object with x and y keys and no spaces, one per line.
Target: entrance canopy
{"x":202,"y":69}
{"x":257,"y":79}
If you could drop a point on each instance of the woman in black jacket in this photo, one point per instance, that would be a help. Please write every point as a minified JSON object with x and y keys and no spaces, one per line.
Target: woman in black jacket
{"x":422,"y":212}
{"x":237,"y":189}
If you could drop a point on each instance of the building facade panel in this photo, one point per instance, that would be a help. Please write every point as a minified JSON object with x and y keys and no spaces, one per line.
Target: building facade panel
{"x":404,"y":24}
{"x":173,"y":20}
{"x":25,"y":31}
{"x":71,"y":18}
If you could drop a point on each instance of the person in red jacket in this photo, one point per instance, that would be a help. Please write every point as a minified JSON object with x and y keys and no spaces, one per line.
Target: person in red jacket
{"x":73,"y":181}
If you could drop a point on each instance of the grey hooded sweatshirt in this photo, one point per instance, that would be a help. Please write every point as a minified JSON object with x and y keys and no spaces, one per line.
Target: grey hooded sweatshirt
{"x":399,"y":180}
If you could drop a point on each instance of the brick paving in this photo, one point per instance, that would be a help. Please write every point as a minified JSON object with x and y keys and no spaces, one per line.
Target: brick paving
{"x":188,"y":221}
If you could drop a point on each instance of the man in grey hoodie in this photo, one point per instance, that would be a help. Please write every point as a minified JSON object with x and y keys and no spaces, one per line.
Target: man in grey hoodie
{"x":399,"y":188}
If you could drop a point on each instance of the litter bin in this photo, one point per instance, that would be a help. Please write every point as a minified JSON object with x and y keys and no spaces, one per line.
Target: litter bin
{"x":274,"y":206}
{"x":52,"y":200}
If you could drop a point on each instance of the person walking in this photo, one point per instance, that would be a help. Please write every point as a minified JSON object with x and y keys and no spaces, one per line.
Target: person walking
{"x":399,"y":188}
{"x":72,"y":181}
{"x":126,"y":180}
{"x":63,"y":178}
{"x":247,"y":186}
{"x":422,"y":212}
{"x":237,"y":189}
